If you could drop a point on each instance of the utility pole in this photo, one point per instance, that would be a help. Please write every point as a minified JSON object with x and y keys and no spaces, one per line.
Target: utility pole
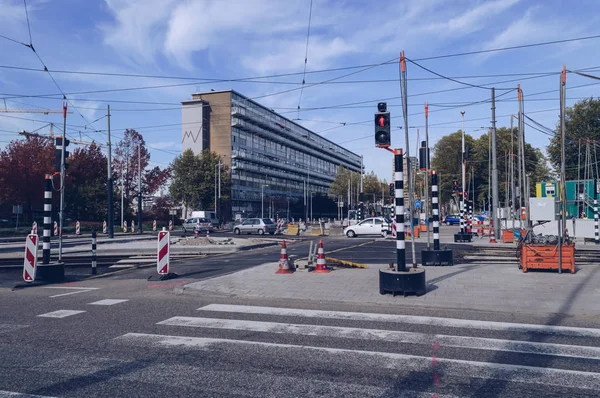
{"x":426,"y":205}
{"x":139,"y":188}
{"x":62,"y":184}
{"x":361,"y":173}
{"x":494,"y":167}
{"x":512,"y":171}
{"x":404,"y":94}
{"x":463,"y":221}
{"x":563,"y":197}
{"x":218,"y":209}
{"x":109,"y":185}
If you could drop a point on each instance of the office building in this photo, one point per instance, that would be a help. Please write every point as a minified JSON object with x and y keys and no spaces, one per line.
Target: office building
{"x":274,"y":161}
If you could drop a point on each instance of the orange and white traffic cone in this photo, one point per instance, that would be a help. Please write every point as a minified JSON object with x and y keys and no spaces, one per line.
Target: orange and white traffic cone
{"x":284,"y":264}
{"x":492,"y":233}
{"x":321,"y":263}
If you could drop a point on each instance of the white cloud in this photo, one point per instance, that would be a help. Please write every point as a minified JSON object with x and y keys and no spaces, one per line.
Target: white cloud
{"x":138,"y":26}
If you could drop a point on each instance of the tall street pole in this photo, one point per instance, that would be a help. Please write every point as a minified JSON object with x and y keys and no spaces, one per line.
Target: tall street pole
{"x":494,"y":167}
{"x":563,"y":197}
{"x":139,"y":188}
{"x":62,"y":184}
{"x":512,"y":172}
{"x":463,"y":221}
{"x":404,"y":94}
{"x":426,"y":205}
{"x":109,"y":185}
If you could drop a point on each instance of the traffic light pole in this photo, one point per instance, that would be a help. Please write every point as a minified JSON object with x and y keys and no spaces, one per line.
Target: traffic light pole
{"x":61,"y":206}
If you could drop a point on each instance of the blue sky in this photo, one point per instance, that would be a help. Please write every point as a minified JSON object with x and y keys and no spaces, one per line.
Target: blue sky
{"x":232,"y":39}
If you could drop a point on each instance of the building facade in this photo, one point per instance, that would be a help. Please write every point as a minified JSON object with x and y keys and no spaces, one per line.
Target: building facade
{"x":273,"y":160}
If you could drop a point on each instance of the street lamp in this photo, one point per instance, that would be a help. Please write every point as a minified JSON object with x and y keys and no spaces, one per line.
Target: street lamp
{"x":262,"y":200}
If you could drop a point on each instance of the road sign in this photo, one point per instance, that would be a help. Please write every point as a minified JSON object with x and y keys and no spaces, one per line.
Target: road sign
{"x":484,"y":213}
{"x":418,"y":204}
{"x":162,"y":256}
{"x":77,"y":228}
{"x":34,"y":227}
{"x":154,"y":225}
{"x":18,"y":209}
{"x":29,"y":265}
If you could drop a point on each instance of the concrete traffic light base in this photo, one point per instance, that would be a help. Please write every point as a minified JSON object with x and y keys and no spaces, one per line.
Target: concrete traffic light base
{"x":412,"y":280}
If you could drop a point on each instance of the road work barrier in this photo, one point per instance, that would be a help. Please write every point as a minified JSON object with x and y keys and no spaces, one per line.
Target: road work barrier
{"x":104,"y":229}
{"x":284,"y":264}
{"x":34,"y":228}
{"x":162,"y":255}
{"x":77,"y":228}
{"x":154,"y":226}
{"x":30,"y":261}
{"x":124,"y":226}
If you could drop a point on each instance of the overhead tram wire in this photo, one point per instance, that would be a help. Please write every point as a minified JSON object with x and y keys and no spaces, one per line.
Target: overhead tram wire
{"x":305,"y":57}
{"x":134,"y":75}
{"x":46,"y":69}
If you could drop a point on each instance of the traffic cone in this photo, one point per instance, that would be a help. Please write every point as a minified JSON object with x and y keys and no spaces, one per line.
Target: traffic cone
{"x":492,"y":233}
{"x":284,"y":264}
{"x":321,"y":263}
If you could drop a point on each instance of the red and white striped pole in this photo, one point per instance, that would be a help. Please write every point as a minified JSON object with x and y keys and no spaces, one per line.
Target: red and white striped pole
{"x":162,"y":257}
{"x":132,"y":227}
{"x":104,"y":229}
{"x":154,"y":225}
{"x":77,"y":228}
{"x":30,"y":262}
{"x":170,"y":225}
{"x":125,"y":226}
{"x":55,"y":228}
{"x":34,"y":228}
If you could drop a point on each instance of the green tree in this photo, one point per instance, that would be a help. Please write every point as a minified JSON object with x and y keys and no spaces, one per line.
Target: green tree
{"x":23,"y":166}
{"x":85,"y":184}
{"x":339,"y":186}
{"x":582,"y":121}
{"x":193,"y":179}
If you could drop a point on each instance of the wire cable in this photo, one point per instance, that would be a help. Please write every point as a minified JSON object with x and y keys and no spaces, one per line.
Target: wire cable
{"x":305,"y":56}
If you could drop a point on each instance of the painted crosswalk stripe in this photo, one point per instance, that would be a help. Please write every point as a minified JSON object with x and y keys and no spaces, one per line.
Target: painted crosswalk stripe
{"x":109,"y":302}
{"x":479,"y":343}
{"x":76,"y":290}
{"x":404,"y":362}
{"x":60,"y":313}
{"x":10,"y":394}
{"x":408,"y":319}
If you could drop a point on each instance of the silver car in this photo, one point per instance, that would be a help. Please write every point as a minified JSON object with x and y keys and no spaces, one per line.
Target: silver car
{"x":255,"y":226}
{"x":203,"y":224}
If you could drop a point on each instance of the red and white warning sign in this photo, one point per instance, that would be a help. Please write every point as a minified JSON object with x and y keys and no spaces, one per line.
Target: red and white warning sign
{"x":30,"y":262}
{"x":124,"y":226}
{"x":162,"y":262}
{"x":170,"y":225}
{"x":104,"y":229}
{"x":34,"y":228}
{"x":77,"y":228}
{"x":55,"y":228}
{"x":154,"y":225}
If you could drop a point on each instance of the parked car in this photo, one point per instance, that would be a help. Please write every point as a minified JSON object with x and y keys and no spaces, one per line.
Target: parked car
{"x":259,"y":226}
{"x":211,"y":215}
{"x":191,"y":223}
{"x":453,"y":219}
{"x":369,"y":226}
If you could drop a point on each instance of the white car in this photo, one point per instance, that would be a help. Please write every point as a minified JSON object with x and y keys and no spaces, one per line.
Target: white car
{"x":369,"y":226}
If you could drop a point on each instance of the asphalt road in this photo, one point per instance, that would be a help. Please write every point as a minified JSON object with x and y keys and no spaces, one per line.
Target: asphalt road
{"x":145,"y":341}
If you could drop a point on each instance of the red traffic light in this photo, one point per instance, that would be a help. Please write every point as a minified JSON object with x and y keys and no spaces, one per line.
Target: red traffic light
{"x":381,"y":121}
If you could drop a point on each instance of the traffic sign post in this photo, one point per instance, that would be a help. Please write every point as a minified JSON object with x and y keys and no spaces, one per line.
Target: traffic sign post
{"x":34,"y":228}
{"x":417,"y":204}
{"x":30,"y":262}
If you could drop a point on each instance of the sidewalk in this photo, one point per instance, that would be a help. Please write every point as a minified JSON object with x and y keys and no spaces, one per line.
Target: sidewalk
{"x":483,"y":286}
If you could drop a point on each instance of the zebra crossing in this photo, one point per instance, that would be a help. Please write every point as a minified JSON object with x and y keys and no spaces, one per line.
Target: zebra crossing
{"x":514,"y":355}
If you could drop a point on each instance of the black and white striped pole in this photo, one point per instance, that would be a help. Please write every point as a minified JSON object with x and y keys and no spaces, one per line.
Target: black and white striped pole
{"x":436,"y":210}
{"x":399,"y":204}
{"x":47,"y":220}
{"x":596,"y":236}
{"x":436,"y":256}
{"x":94,"y":270}
{"x":402,"y":279}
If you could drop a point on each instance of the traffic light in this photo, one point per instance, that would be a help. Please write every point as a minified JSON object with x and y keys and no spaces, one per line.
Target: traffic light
{"x":455,"y":185}
{"x":383,"y":137}
{"x":392,"y":189}
{"x":424,"y":161}
{"x":58,"y":153}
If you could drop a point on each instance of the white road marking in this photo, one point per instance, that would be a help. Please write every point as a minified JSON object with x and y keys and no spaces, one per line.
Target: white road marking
{"x":10,"y":394}
{"x":77,"y":290}
{"x":479,"y":343}
{"x":410,"y":319}
{"x":60,"y":313}
{"x":404,"y":362}
{"x":108,"y":302}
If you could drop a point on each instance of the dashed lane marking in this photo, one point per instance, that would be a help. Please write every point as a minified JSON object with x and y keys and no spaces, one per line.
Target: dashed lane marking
{"x":60,"y":313}
{"x":76,"y":290}
{"x":109,"y":302}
